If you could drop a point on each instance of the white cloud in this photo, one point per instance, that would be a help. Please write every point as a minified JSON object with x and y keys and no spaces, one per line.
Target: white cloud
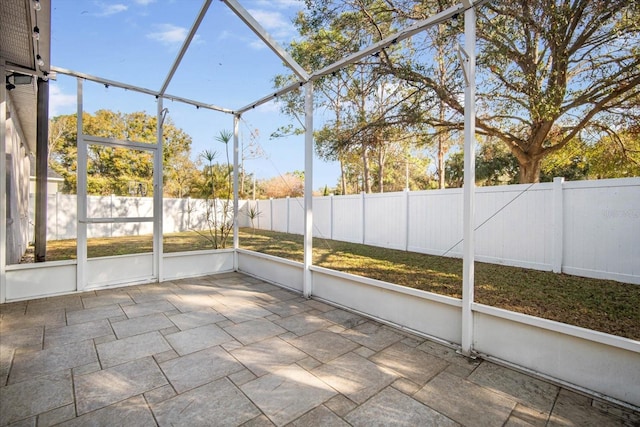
{"x":257,"y":44}
{"x":59,"y":102}
{"x":281,"y":4}
{"x":169,"y":34}
{"x":269,"y":20}
{"x":224,"y":35}
{"x":111,"y":9}
{"x":145,"y":2}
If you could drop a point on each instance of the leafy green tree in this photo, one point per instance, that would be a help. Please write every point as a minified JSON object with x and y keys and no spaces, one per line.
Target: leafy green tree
{"x":111,"y":170}
{"x":616,"y":155}
{"x":549,"y":71}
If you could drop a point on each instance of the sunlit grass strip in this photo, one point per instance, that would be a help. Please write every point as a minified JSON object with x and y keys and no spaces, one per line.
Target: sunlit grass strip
{"x":602,"y":305}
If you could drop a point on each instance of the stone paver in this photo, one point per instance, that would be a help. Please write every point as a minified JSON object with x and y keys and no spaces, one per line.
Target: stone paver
{"x":132,"y":412}
{"x":103,"y":388}
{"x":28,"y":398}
{"x":254,"y":330}
{"x":233,"y":350}
{"x":100,"y":301}
{"x":324,"y":345}
{"x":146,"y":308}
{"x":373,"y":336}
{"x":267,"y":356}
{"x":194,"y":319}
{"x":303,"y":324}
{"x":530,"y":392}
{"x":79,"y":332}
{"x":320,"y":416}
{"x":132,"y":348}
{"x":465,"y":402}
{"x":287,"y":393}
{"x":92,"y":314}
{"x":391,"y":407}
{"x":31,"y":364}
{"x":355,"y":377}
{"x":196,"y":339}
{"x":141,"y":325}
{"x":411,"y":363}
{"x":218,"y":403}
{"x":199,"y":368}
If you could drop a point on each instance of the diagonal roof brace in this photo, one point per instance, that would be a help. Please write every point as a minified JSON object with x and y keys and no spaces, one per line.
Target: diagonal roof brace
{"x":185,"y":45}
{"x":250,"y":21}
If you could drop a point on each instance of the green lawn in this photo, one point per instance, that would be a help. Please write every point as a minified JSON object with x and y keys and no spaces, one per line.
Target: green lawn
{"x":602,"y":305}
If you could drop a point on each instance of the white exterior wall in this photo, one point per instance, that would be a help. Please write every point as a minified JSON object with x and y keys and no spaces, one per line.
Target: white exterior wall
{"x":18,"y":171}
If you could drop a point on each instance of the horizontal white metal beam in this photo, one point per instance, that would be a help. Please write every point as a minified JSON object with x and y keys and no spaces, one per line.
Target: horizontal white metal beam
{"x":133,"y":88}
{"x":255,"y":26}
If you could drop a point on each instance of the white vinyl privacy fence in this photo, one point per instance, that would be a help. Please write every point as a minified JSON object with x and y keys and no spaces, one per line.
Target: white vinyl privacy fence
{"x":178,"y":215}
{"x":585,"y":228}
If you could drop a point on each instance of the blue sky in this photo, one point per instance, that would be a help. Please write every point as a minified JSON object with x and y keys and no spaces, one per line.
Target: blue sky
{"x":136,"y":42}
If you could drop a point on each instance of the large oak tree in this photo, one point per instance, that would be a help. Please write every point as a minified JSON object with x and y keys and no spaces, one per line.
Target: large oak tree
{"x":548,"y":70}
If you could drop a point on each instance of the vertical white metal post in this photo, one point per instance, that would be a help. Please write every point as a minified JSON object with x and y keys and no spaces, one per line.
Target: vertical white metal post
{"x":81,"y":190}
{"x":468,"y":258}
{"x":158,"y":249}
{"x":307,"y":287}
{"x":3,"y":187}
{"x":236,"y":160}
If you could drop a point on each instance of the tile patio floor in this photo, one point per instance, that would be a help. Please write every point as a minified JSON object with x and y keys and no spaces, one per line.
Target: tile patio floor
{"x":233,"y":350}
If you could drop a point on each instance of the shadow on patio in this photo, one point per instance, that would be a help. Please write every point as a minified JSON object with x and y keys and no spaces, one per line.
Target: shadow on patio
{"x":230,"y":349}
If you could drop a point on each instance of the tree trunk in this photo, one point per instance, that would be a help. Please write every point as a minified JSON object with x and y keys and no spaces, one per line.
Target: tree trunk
{"x":441,"y":150}
{"x":530,"y":170}
{"x":381,"y":169}
{"x":366,"y":185}
{"x":343,"y":179}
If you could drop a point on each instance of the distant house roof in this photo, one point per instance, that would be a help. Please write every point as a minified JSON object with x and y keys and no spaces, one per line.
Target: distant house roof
{"x":51,"y":174}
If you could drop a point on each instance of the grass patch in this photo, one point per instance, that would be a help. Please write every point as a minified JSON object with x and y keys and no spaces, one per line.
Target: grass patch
{"x":602,"y":305}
